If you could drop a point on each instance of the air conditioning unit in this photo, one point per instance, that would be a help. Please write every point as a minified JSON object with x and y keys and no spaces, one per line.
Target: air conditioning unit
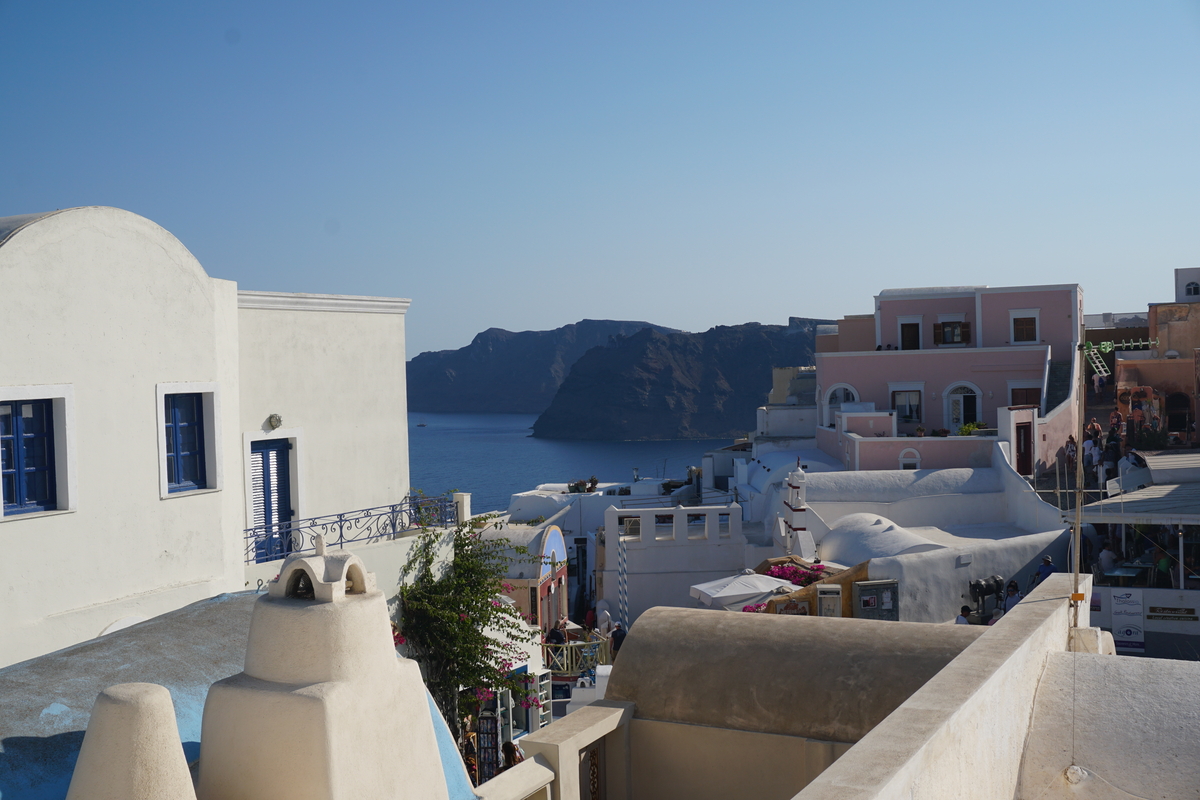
{"x":829,"y":600}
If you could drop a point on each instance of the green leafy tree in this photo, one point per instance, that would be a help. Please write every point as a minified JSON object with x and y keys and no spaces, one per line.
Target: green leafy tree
{"x":466,"y":640}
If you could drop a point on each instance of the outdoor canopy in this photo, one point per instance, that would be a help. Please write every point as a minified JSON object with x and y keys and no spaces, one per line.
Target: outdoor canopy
{"x":739,"y":590}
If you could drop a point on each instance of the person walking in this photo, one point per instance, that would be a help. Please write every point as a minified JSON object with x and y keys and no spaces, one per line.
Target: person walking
{"x":616,"y":639}
{"x":1046,"y":569}
{"x":1012,"y":596}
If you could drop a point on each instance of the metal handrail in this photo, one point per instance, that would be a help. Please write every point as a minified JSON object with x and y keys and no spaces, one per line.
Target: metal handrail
{"x":276,"y":541}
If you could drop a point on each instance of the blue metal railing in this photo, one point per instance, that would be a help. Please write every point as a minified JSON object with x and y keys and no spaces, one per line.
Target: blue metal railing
{"x":273,"y":542}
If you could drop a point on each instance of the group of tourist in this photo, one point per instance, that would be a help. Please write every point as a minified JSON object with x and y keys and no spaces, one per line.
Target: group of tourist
{"x":602,"y":627}
{"x":1102,"y":453}
{"x":1150,"y":547}
{"x":1012,"y":594}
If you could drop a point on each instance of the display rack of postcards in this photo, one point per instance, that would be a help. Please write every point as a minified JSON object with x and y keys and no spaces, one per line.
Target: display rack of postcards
{"x":545,"y":707}
{"x":487,"y":744}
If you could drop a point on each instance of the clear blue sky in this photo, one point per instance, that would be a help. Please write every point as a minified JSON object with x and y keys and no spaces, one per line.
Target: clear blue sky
{"x":526,"y":165}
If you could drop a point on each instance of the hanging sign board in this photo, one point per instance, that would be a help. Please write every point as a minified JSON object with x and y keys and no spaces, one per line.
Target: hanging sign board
{"x":1173,"y":614}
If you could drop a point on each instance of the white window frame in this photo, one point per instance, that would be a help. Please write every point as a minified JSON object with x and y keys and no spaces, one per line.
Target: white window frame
{"x":909,"y":386}
{"x":214,"y":472}
{"x":909,"y":319}
{"x":1187,"y":289}
{"x":1018,"y":313}
{"x":66,"y":467}
{"x":910,"y":455}
{"x":295,"y":474}
{"x":1025,"y":384}
{"x":961,"y":317}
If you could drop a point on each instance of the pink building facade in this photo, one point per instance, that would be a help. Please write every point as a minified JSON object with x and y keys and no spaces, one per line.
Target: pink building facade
{"x":942,"y":358}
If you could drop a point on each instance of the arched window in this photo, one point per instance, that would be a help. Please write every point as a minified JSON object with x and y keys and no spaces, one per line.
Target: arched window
{"x":910,"y":459}
{"x":1192,"y":289}
{"x":839,"y":394}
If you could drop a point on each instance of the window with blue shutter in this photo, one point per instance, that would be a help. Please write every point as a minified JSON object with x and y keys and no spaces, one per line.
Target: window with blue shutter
{"x":184,"y":418}
{"x":27,"y":456}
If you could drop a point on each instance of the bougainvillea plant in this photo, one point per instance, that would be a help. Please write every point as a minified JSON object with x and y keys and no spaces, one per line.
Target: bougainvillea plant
{"x":455,"y":625}
{"x":800,"y":576}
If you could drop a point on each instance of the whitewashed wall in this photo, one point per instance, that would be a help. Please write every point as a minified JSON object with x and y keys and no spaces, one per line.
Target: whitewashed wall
{"x":109,"y":305}
{"x":333,"y":368}
{"x":100,"y":310}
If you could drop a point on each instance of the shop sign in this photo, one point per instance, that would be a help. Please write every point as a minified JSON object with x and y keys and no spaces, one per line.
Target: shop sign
{"x":1127,"y":621}
{"x":1173,"y":614}
{"x":795,"y":608}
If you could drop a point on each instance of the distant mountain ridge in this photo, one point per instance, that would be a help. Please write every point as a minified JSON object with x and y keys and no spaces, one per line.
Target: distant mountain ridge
{"x":506,"y":372}
{"x":675,"y":385}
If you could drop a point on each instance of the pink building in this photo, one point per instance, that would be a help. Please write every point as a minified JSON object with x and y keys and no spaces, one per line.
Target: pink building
{"x":929,"y":361}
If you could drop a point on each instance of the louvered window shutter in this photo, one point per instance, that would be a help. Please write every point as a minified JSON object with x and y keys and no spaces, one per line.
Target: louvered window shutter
{"x":937,"y":333}
{"x":966,"y":333}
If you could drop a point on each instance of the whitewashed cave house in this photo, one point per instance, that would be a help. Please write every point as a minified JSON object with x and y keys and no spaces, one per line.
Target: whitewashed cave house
{"x":150,"y":414}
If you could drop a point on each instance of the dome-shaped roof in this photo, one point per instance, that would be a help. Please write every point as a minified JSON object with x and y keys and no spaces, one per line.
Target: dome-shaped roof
{"x":856,"y":538}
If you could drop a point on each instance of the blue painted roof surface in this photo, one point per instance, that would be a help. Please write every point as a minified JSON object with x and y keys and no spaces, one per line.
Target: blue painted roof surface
{"x":457,"y":782}
{"x":45,"y":703}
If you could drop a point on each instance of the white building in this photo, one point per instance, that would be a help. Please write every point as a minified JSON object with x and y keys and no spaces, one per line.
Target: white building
{"x":150,"y":414}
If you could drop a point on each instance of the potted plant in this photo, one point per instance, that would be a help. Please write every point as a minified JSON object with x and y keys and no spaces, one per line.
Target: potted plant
{"x":920,"y":430}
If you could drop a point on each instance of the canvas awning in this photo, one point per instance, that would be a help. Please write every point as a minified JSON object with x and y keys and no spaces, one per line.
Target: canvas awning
{"x":738,"y":590}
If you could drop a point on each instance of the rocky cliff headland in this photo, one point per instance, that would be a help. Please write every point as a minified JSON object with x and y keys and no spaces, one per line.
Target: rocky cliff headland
{"x":502,"y":372}
{"x":674,"y":385}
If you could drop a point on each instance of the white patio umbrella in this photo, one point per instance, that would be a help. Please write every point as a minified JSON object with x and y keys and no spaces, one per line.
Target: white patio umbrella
{"x":739,"y":590}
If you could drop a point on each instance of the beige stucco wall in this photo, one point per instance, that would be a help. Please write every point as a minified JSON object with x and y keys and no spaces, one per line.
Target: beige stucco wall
{"x":962,"y":734}
{"x":703,"y":763}
{"x":1175,"y":327}
{"x":109,"y":305}
{"x":337,"y":378}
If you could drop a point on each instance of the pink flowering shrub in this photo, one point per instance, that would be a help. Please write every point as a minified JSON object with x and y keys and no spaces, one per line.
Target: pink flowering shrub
{"x":800,"y":576}
{"x":757,"y":608}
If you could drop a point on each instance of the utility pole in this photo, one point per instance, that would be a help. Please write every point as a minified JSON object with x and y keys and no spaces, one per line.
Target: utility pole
{"x":1091,"y":354}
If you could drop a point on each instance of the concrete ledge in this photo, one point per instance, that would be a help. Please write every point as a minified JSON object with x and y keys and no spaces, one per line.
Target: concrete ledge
{"x":1129,"y":723}
{"x":581,"y":728}
{"x":561,"y":744}
{"x":528,"y":779}
{"x":963,"y":733}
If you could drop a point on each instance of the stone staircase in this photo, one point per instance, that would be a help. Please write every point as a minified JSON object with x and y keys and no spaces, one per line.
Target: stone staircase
{"x":1058,"y":384}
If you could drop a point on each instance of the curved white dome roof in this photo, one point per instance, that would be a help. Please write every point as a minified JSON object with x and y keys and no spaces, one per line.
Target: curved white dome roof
{"x":855,"y":538}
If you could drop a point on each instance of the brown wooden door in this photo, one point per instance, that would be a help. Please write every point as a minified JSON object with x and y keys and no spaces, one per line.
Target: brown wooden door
{"x":1025,"y":448}
{"x":910,"y":336}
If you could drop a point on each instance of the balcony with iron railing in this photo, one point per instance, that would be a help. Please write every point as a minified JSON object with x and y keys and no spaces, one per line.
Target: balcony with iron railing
{"x":273,"y":542}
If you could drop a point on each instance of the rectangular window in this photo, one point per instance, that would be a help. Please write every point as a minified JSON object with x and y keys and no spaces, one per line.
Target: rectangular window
{"x":1026,"y":397}
{"x":910,"y":336}
{"x":183,"y":416}
{"x":952,"y":333}
{"x":27,"y":456}
{"x":907,"y":406}
{"x":1024,"y":329}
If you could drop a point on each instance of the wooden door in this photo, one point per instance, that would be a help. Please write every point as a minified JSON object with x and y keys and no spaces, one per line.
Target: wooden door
{"x":1025,"y":448}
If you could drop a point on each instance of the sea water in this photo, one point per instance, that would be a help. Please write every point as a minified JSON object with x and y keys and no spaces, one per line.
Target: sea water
{"x":493,"y":456}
